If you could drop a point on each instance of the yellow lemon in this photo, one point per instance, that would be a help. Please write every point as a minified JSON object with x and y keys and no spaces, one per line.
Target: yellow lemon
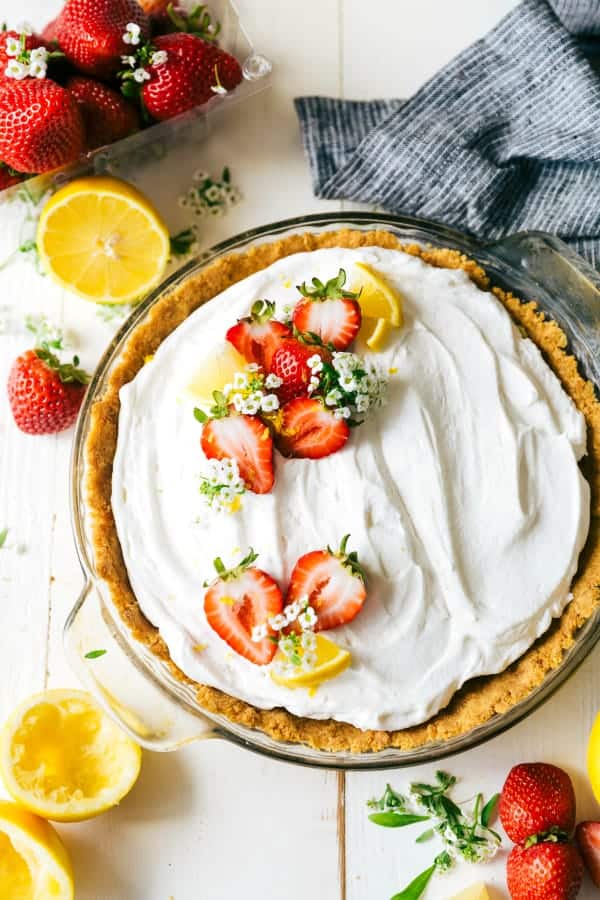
{"x":101,"y":238}
{"x":378,"y":331}
{"x":33,"y":860}
{"x":62,"y":758}
{"x":215,"y":374}
{"x":593,"y":758}
{"x":475,"y":892}
{"x":380,"y":305}
{"x":330,"y":660}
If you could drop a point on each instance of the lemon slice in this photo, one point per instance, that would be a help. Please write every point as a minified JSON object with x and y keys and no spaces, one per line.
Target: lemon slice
{"x":62,"y":758}
{"x":101,"y":238}
{"x":33,"y":860}
{"x":375,"y":333}
{"x":330,"y":661}
{"x":475,"y":892}
{"x":593,"y":758}
{"x":378,"y":300}
{"x":215,"y":374}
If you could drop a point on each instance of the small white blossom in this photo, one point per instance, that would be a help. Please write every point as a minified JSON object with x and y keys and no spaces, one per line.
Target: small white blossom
{"x":309,"y":661}
{"x":38,"y":69}
{"x":159,"y":58}
{"x":218,"y":88}
{"x":256,"y":396}
{"x":16,"y":69}
{"x":13,"y":46}
{"x":342,"y":412}
{"x":213,"y":193}
{"x":277,"y":622}
{"x":270,"y":403}
{"x":333,"y":397}
{"x":240,"y":381}
{"x":313,"y":384}
{"x":273,"y":381}
{"x":132,"y":33}
{"x":308,"y":640}
{"x":259,"y":632}
{"x":362,"y":403}
{"x":141,"y":75}
{"x":315,"y":363}
{"x":253,"y":367}
{"x":348,"y":383}
{"x":250,"y":407}
{"x":130,"y":61}
{"x":292,"y":611}
{"x":25,"y":28}
{"x":238,"y":401}
{"x":307,"y":619}
{"x":38,"y":54}
{"x":227,"y":494}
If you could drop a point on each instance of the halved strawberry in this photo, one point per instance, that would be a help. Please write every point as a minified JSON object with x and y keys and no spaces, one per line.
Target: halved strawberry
{"x":334,"y":583}
{"x":329,"y":312}
{"x":290,"y":363}
{"x":239,"y":600}
{"x":245,"y":439}
{"x":258,"y":336}
{"x":587,"y":835}
{"x":307,"y":429}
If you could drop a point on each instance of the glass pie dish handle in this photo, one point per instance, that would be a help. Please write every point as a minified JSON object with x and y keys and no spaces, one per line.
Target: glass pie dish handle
{"x":123,"y":684}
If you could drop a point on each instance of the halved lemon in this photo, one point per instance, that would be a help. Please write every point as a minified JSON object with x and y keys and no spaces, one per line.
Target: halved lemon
{"x":475,"y":892}
{"x":33,"y":860}
{"x":215,"y":374}
{"x":380,"y":305}
{"x":330,"y":661}
{"x":62,"y":758}
{"x":593,"y":757}
{"x":103,"y":239}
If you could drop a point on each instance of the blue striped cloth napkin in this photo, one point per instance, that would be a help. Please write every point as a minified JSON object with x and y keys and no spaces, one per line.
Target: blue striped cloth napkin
{"x":504,"y":138}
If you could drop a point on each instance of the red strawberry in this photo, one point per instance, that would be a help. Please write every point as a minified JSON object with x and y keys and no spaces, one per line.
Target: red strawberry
{"x":107,"y":115}
{"x":329,"y":311}
{"x":40,"y":125}
{"x":32,"y":41}
{"x":45,"y":395}
{"x":307,"y":429}
{"x":237,"y":601}
{"x":546,"y":871}
{"x":192,"y":70}
{"x":587,"y":835}
{"x":536,"y":798}
{"x":8,"y":177}
{"x":90,"y":33}
{"x":258,"y":336}
{"x":290,"y":363}
{"x":168,"y":17}
{"x":245,"y":439}
{"x":333,"y":582}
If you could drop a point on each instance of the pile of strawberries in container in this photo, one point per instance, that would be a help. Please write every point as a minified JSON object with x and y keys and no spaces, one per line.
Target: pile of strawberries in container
{"x":100,"y":71}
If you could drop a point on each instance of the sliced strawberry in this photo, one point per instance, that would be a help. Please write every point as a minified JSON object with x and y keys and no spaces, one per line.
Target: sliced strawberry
{"x":239,"y":600}
{"x":329,"y":312}
{"x":247,"y":440}
{"x":309,"y":430}
{"x":258,"y":336}
{"x":290,"y":363}
{"x":333,"y":582}
{"x":587,"y":835}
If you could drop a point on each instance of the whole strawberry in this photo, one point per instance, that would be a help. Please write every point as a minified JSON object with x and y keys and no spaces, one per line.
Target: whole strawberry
{"x":537,"y":798}
{"x":188,"y":73}
{"x":94,"y":34}
{"x":40,"y":125}
{"x":107,"y":115}
{"x":290,"y":363}
{"x":587,"y":835}
{"x":545,"y":871}
{"x":45,"y":395}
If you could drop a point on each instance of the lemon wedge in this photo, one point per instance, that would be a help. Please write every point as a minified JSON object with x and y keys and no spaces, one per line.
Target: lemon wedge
{"x":215,"y":374}
{"x":378,"y":300}
{"x":475,"y":892}
{"x":33,"y":860}
{"x":375,"y":333}
{"x":62,"y":758}
{"x":330,"y":661}
{"x":101,"y":238}
{"x":593,"y":757}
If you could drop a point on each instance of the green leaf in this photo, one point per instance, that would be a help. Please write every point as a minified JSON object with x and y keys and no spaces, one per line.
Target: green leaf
{"x":416,"y":888}
{"x":3,"y":536}
{"x":426,"y":836}
{"x":200,"y":416}
{"x":181,"y":243}
{"x":488,"y":810}
{"x":396,"y":820}
{"x":95,"y":654}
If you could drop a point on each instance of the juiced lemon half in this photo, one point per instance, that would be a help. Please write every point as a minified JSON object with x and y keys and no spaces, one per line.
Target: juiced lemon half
{"x":103,"y":239}
{"x":330,"y":660}
{"x":380,"y":305}
{"x":33,"y":860}
{"x":62,"y":758}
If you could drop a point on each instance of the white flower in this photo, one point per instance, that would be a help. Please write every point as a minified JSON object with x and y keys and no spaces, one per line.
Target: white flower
{"x":140,"y":75}
{"x":347,"y":382}
{"x":16,"y":70}
{"x":25,"y":28}
{"x":273,"y":381}
{"x":342,"y":412}
{"x":277,"y":622}
{"x":213,"y":193}
{"x":291,"y":611}
{"x":308,"y":640}
{"x":38,"y":69}
{"x":313,"y":384}
{"x":129,"y":61}
{"x":132,"y":33}
{"x":309,"y":661}
{"x":238,"y":401}
{"x":270,"y":403}
{"x":13,"y":46}
{"x":250,"y":407}
{"x":38,"y":54}
{"x":218,"y":88}
{"x":200,"y":175}
{"x":362,"y":403}
{"x":240,"y":381}
{"x":315,"y":363}
{"x":333,"y":397}
{"x":259,"y":632}
{"x":159,"y":58}
{"x":253,"y":367}
{"x":226,"y":495}
{"x":307,"y":619}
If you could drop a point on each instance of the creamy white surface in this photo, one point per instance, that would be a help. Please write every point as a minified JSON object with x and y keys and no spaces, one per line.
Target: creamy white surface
{"x":463,"y":498}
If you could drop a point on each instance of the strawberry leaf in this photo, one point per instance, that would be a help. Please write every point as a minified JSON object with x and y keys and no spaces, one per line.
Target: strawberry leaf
{"x":331,"y":290}
{"x":69,"y":373}
{"x":416,"y":888}
{"x":396,"y":820}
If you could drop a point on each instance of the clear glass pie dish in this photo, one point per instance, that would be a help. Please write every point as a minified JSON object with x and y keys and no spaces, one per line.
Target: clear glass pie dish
{"x":139,"y":689}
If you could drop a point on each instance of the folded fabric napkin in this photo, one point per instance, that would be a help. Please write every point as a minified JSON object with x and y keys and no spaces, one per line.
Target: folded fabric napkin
{"x":504,"y":138}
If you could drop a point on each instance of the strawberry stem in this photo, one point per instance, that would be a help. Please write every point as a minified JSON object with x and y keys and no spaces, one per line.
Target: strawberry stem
{"x":69,"y":373}
{"x":331,"y":290}
{"x":235,"y":571}
{"x":262,"y":311}
{"x":348,"y":560}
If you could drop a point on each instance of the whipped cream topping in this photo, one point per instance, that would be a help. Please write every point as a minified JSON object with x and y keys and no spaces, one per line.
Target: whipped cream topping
{"x":463,"y":497}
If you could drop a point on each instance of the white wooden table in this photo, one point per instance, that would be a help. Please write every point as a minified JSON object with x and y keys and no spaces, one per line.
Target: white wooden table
{"x":212,"y":821}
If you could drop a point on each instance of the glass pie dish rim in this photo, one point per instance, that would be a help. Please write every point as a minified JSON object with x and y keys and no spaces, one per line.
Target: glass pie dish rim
{"x":507,"y":261}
